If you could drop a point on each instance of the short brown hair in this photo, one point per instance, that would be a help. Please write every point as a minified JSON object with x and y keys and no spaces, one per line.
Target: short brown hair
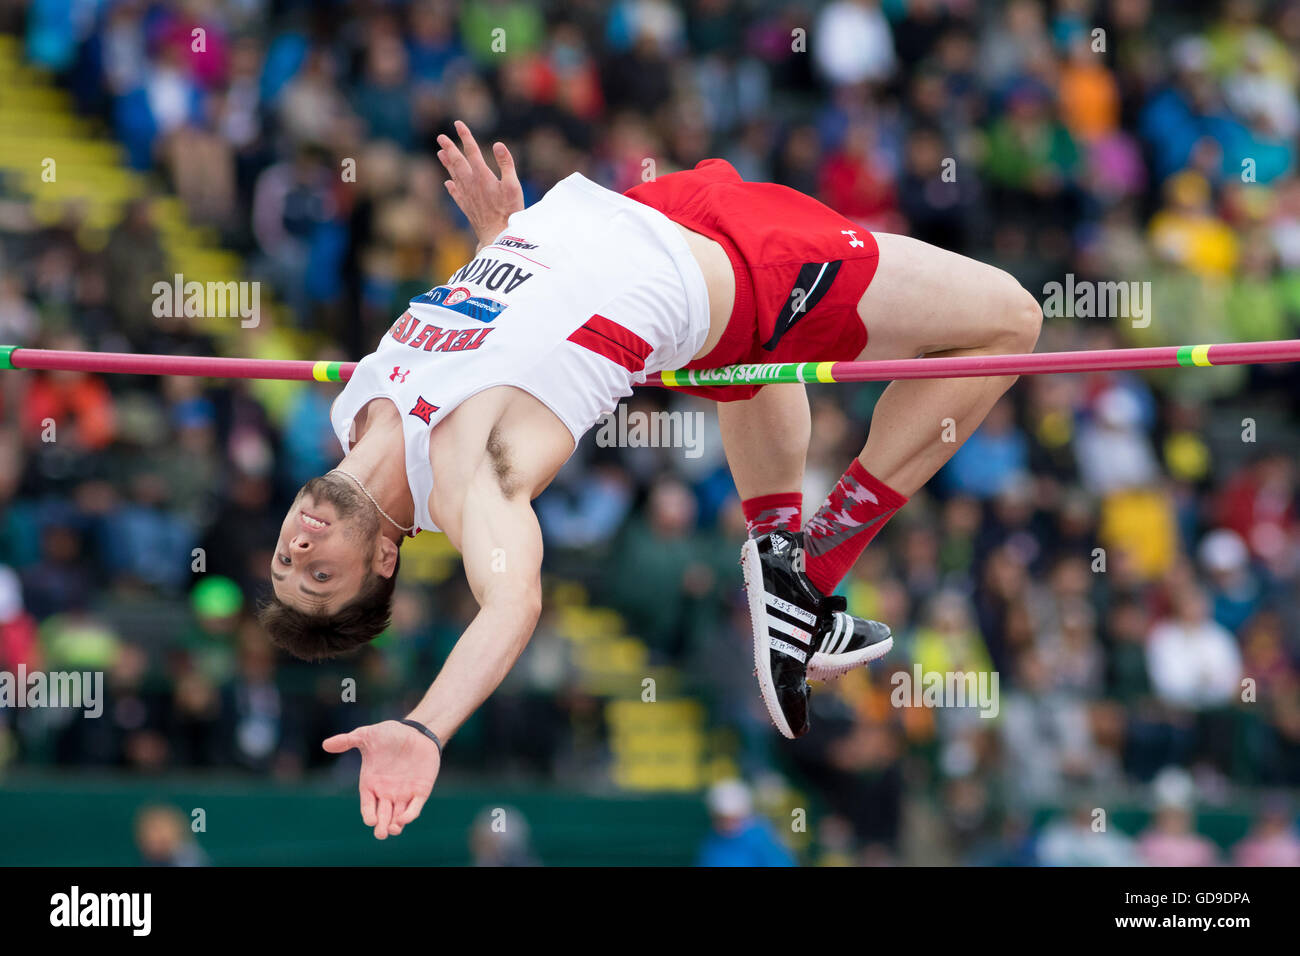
{"x":314,"y":637}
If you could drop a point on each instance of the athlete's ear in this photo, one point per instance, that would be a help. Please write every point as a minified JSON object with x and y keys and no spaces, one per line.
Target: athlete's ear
{"x":385,"y":562}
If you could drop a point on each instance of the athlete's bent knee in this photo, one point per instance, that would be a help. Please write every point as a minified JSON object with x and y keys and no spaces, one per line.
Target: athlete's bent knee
{"x":1028,"y":321}
{"x":1020,"y":318}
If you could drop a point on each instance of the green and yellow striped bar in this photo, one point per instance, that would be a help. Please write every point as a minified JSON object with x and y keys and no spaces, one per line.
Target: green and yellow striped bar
{"x":1193,"y":356}
{"x":327,"y":371}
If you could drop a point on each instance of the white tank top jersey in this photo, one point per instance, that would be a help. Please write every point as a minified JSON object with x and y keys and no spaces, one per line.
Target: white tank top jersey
{"x":583,"y":295}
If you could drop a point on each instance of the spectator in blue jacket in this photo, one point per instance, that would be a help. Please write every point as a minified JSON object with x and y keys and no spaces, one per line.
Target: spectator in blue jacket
{"x":739,"y":836}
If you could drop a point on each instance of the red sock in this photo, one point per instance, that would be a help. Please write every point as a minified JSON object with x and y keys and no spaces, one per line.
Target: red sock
{"x":770,"y":512}
{"x":844,"y":525}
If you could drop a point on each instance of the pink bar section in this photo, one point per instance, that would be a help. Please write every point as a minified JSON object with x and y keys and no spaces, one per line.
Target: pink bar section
{"x":1043,"y":363}
{"x":136,"y":364}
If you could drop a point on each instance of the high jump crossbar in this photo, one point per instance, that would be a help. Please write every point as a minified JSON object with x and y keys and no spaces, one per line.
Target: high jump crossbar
{"x":964,"y":366}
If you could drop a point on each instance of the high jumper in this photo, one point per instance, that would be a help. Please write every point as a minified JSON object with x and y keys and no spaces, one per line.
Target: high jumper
{"x":480,"y":391}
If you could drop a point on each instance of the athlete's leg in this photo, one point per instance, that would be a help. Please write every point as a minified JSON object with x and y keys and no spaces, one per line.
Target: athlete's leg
{"x":922,"y":301}
{"x":766,"y":441}
{"x":918,"y":300}
{"x":926,"y":301}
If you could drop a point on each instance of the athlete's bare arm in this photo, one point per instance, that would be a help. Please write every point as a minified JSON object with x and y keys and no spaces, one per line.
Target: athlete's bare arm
{"x":501,"y":546}
{"x":492,"y":455}
{"x":398,"y":765}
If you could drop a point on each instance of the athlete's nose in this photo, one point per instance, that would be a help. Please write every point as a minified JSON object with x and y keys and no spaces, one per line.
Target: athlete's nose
{"x":301,"y":542}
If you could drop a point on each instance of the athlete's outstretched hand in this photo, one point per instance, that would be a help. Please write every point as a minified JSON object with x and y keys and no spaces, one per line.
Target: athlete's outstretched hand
{"x":398,"y":768}
{"x":486,"y":201}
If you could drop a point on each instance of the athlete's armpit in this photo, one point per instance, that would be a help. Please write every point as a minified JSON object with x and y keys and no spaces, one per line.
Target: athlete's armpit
{"x":499,"y":458}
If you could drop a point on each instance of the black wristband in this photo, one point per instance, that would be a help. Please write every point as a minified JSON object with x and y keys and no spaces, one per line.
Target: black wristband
{"x":422,"y":729}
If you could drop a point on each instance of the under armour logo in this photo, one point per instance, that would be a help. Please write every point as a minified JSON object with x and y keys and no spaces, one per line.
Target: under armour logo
{"x":854,"y":241}
{"x":423,"y":410}
{"x":399,"y":374}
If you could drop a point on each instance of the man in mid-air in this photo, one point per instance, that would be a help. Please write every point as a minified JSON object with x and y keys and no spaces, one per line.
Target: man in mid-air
{"x":480,"y":391}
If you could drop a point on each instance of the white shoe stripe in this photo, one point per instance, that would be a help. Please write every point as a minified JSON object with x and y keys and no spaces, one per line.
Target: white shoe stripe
{"x":840,"y":633}
{"x":791,"y":630}
{"x":785,"y":607}
{"x":787,"y":649}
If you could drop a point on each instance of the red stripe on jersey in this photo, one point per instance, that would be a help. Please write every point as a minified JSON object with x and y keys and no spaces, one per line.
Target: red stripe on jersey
{"x":616,"y":343}
{"x":623,"y":336}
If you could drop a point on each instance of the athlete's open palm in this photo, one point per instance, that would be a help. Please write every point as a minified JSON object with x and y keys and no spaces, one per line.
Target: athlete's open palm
{"x":486,"y":201}
{"x":398,"y":768}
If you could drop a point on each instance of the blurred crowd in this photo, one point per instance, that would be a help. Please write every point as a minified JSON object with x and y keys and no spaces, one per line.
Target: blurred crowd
{"x":1123,"y":550}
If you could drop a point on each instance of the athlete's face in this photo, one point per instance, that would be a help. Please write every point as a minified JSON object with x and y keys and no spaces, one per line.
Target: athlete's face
{"x":327,"y":546}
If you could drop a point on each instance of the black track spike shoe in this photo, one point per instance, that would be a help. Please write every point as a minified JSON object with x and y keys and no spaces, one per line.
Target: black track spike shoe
{"x":785,"y":615}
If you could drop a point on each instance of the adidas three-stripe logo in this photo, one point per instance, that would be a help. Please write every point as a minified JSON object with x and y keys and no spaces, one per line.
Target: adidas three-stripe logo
{"x":784,"y":621}
{"x":838,"y":640}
